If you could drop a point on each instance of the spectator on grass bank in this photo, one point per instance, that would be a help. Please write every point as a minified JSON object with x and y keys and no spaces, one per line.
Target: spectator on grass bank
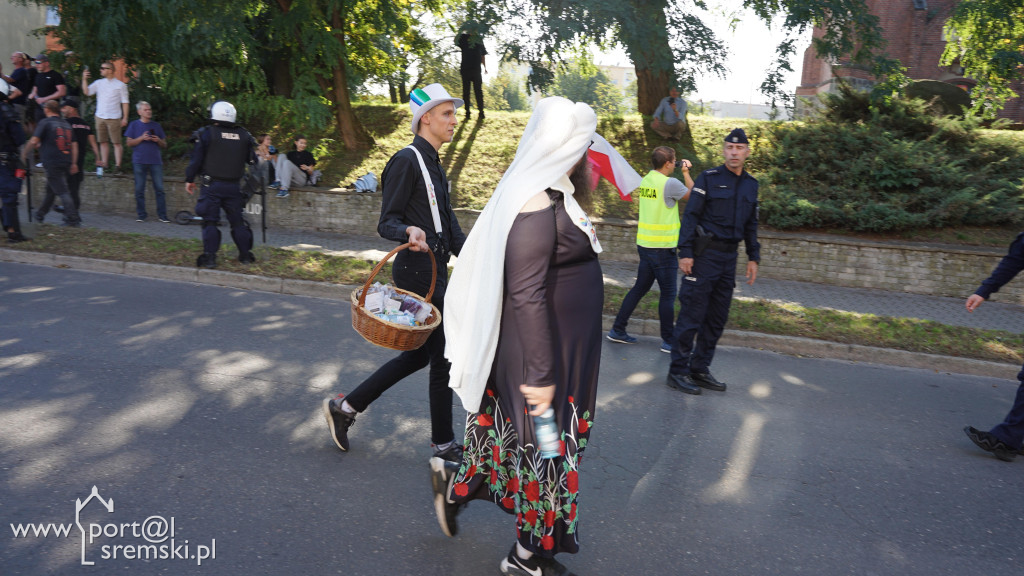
{"x":474,"y":55}
{"x":57,"y":147}
{"x":669,"y":118}
{"x":146,"y":137}
{"x":295,"y":168}
{"x":111,"y":112}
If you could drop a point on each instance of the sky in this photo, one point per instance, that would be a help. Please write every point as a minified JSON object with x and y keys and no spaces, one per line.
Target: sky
{"x":751,"y":51}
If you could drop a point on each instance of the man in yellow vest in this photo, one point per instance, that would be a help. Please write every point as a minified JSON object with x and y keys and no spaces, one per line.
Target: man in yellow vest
{"x":656,"y":237}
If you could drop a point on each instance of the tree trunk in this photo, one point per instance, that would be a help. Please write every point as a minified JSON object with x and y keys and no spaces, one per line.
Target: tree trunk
{"x":353,"y":134}
{"x":647,"y":46}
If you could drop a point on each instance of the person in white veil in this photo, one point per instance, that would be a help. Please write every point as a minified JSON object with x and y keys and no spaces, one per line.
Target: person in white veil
{"x":523,"y":330}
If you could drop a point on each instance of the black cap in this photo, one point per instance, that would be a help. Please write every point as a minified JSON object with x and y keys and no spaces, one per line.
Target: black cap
{"x":737,"y":136}
{"x":70,"y":101}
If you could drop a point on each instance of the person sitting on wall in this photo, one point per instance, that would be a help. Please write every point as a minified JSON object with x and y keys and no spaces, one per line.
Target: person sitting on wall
{"x":295,"y":168}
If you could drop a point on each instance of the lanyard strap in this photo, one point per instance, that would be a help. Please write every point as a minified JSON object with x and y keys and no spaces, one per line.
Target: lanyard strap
{"x":430,"y":192}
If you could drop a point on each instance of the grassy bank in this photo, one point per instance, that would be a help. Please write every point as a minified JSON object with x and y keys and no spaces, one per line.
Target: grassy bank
{"x":747,"y":314}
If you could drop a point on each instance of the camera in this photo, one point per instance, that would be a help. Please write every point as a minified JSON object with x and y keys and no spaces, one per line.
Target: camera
{"x":679,"y":163}
{"x":671,"y":100}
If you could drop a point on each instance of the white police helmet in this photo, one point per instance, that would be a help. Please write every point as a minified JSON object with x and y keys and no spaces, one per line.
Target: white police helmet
{"x":5,"y":89}
{"x":223,"y":111}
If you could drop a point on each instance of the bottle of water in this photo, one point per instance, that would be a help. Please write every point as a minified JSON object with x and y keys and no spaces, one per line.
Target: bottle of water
{"x":547,"y":434}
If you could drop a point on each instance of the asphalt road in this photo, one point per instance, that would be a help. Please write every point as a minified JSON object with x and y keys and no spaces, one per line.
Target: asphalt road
{"x":200,"y":405}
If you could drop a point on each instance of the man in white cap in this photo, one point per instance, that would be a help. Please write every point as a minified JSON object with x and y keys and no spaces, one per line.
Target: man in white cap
{"x":417,"y":209}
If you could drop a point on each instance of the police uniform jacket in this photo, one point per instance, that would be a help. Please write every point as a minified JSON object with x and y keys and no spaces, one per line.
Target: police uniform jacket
{"x":724,"y":205}
{"x":221,"y":152}
{"x":406,"y":202}
{"x":1008,"y":267}
{"x":13,"y":135}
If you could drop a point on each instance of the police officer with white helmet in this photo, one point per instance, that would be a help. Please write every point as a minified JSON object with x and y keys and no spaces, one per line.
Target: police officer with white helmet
{"x":221,"y":152}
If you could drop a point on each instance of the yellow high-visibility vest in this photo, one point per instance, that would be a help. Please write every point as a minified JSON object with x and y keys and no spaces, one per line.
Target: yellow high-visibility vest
{"x":659,"y":224}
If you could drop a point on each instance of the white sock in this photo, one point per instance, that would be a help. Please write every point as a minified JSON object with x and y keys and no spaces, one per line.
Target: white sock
{"x":444,"y":446}
{"x":347,"y":407}
{"x":523,"y":552}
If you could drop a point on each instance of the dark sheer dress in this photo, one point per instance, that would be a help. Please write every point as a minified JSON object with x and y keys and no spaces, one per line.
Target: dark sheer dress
{"x":550,"y":334}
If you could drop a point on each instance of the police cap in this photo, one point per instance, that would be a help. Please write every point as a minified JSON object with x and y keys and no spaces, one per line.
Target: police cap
{"x":737,"y":136}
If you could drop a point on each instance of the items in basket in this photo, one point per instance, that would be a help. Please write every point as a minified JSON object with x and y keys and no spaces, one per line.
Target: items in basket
{"x":384,"y":302}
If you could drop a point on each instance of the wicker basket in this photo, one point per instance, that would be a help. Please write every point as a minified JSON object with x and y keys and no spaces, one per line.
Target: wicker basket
{"x":389,"y":334}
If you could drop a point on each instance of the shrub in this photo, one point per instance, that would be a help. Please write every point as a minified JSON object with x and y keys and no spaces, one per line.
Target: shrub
{"x":889,"y":167}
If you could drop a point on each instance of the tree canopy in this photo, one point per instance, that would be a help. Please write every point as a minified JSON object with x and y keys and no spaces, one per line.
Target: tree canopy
{"x":289,"y":62}
{"x":987,"y":39}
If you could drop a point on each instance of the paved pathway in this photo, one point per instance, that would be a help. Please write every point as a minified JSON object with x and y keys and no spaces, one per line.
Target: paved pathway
{"x":993,"y":315}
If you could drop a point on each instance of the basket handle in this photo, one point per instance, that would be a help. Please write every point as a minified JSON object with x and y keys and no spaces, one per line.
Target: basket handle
{"x":380,"y":265}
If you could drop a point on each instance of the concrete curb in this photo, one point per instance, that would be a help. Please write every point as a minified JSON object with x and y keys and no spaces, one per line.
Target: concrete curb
{"x":791,"y":345}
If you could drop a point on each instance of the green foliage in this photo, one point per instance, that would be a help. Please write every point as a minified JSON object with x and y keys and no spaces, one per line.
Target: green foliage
{"x":887,"y":167}
{"x":582,"y":81}
{"x":283,"y":62}
{"x":987,"y":39}
{"x":506,"y":92}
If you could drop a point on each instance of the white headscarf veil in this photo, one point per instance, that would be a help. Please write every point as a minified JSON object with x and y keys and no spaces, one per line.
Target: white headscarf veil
{"x":556,"y":137}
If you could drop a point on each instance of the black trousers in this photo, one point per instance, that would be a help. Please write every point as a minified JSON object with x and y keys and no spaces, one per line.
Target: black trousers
{"x":472,"y":77}
{"x":411,"y":271}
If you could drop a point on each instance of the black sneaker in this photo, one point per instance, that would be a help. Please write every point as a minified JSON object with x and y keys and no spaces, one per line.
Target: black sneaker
{"x":442,"y":476}
{"x":247,"y":258}
{"x":452,"y":453}
{"x":988,"y":442}
{"x":15,"y":237}
{"x":513,"y":565}
{"x":706,"y":380}
{"x":338,"y":421}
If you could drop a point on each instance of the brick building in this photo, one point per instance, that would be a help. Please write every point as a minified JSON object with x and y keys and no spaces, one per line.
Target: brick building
{"x":913,"y":34}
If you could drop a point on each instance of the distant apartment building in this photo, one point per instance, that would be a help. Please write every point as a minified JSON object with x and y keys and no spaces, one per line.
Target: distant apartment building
{"x":913,"y":32}
{"x":719,"y":109}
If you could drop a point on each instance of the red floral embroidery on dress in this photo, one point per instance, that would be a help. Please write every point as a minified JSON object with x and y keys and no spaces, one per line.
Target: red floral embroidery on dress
{"x":542,"y":493}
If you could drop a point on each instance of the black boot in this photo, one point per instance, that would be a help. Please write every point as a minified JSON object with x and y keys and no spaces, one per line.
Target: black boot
{"x":247,"y":258}
{"x":207,"y":260}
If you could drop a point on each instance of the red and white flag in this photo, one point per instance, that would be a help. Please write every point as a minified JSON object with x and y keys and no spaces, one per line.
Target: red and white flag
{"x":606,"y":163}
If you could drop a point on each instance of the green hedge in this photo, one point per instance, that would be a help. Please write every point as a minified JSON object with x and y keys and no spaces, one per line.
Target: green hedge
{"x":866,"y":167}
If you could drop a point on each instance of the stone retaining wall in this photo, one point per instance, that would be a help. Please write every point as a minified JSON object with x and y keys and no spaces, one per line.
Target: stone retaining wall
{"x":907,"y":267}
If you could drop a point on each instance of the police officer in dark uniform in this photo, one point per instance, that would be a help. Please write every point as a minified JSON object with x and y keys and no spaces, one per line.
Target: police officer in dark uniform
{"x":1005,"y":440}
{"x":12,"y":136}
{"x":722,"y":210}
{"x":221,"y":152}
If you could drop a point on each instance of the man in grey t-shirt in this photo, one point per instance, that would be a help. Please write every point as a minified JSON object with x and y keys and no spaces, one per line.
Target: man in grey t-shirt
{"x":55,"y":140}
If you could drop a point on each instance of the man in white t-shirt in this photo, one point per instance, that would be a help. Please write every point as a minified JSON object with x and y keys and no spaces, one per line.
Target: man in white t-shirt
{"x":111,"y":112}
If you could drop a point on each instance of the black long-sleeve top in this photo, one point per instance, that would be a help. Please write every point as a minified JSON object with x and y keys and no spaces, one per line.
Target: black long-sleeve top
{"x":1008,"y":267}
{"x":406,"y":202}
